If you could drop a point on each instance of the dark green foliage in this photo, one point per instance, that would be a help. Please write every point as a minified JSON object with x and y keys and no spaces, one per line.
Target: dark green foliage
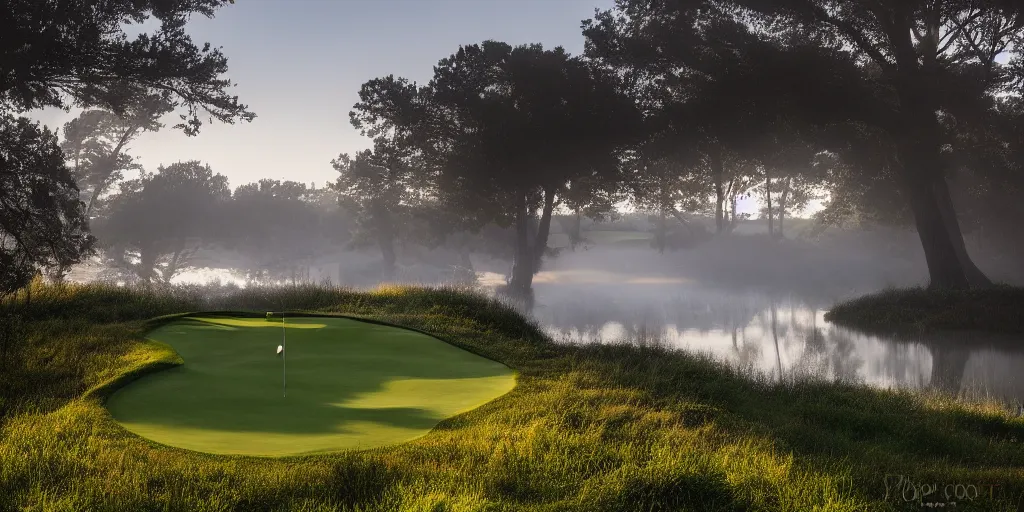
{"x":159,"y":220}
{"x":42,"y":220}
{"x":886,"y":86}
{"x":386,"y":189}
{"x":502,"y":132}
{"x":59,"y":53}
{"x":277,"y":227}
{"x":94,"y":142}
{"x":64,"y":53}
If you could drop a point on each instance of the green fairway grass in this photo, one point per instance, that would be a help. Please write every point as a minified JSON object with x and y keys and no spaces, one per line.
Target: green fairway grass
{"x":350,"y":385}
{"x":587,"y":428}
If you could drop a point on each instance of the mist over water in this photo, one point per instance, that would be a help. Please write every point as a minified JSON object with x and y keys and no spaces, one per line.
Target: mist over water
{"x":760,"y":307}
{"x":755,"y":303}
{"x":783,"y":336}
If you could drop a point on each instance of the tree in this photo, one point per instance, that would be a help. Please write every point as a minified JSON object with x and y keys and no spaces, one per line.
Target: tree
{"x":987,"y":181}
{"x":662,"y":183}
{"x":160,"y":220}
{"x":505,"y":130}
{"x":65,"y":52}
{"x":898,"y":67}
{"x":380,"y":188}
{"x":42,"y":221}
{"x":693,"y":88}
{"x":277,"y":226}
{"x":787,"y":164}
{"x":859,"y":173}
{"x":96,"y":140}
{"x":592,"y":196}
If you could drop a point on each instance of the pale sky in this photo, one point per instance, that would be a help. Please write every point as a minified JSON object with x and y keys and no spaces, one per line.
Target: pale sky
{"x":298,"y":65}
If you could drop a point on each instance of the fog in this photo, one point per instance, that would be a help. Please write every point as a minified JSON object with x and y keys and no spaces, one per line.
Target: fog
{"x":750,"y":300}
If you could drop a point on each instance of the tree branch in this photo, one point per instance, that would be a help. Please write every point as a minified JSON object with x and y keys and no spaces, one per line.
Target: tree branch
{"x":851,"y":32}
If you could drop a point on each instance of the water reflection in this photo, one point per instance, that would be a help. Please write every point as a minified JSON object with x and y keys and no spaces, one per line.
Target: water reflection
{"x":781,"y":336}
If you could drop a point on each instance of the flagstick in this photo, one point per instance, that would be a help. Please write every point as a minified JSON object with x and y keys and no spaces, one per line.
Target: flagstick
{"x":284,"y":358}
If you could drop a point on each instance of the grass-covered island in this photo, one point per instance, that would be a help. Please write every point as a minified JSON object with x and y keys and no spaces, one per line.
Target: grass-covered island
{"x":587,"y":428}
{"x":996,"y":309}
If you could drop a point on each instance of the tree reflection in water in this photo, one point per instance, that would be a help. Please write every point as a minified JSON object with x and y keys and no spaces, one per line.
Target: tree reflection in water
{"x":782,"y":336}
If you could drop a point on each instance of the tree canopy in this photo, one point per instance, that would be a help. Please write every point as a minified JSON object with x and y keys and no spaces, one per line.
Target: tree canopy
{"x":96,"y":140}
{"x":275,"y":226}
{"x":63,"y":53}
{"x":159,"y":221}
{"x":41,"y":221}
{"x":70,"y":53}
{"x":899,"y":71}
{"x":504,"y":130}
{"x":384,"y":188}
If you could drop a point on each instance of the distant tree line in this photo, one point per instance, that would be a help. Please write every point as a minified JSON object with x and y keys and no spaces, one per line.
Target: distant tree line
{"x":683,"y":108}
{"x":904,"y":113}
{"x":77,"y":54}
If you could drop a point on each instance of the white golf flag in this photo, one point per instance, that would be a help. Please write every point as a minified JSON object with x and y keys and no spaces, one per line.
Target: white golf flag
{"x":280,"y":350}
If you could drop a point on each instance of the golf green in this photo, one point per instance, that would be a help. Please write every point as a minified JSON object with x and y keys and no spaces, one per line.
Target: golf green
{"x":350,"y":385}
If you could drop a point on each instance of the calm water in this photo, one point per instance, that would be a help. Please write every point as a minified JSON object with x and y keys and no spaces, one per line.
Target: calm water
{"x":783,"y":335}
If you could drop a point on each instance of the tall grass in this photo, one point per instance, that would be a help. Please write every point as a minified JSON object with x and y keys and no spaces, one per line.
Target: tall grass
{"x":588,"y":428}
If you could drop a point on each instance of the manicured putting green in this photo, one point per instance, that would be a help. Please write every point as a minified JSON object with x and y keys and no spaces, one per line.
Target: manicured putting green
{"x":350,"y":385}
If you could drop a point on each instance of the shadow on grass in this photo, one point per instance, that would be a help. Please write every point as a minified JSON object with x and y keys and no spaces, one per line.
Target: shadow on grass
{"x":551,"y":444}
{"x":309,"y":419}
{"x":878,"y":432}
{"x":340,"y":374}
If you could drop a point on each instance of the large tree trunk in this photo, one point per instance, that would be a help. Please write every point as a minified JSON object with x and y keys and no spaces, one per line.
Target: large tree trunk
{"x":522,"y":266}
{"x":921,"y":169}
{"x":540,"y":245}
{"x":921,"y":172}
{"x":718,"y":175}
{"x":944,"y":267}
{"x":975,"y":277}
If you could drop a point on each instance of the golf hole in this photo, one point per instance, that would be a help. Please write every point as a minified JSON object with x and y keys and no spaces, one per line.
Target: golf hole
{"x":249,"y":386}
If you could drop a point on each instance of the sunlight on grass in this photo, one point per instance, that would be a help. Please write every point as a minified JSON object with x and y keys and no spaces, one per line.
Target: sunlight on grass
{"x":353,"y":385}
{"x":587,"y":428}
{"x":256,"y":323}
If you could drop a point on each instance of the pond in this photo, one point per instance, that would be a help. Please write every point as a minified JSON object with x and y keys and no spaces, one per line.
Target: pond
{"x":778,"y":332}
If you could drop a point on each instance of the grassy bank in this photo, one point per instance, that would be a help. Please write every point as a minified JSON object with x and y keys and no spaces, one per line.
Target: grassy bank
{"x":587,"y":428}
{"x":999,"y":309}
